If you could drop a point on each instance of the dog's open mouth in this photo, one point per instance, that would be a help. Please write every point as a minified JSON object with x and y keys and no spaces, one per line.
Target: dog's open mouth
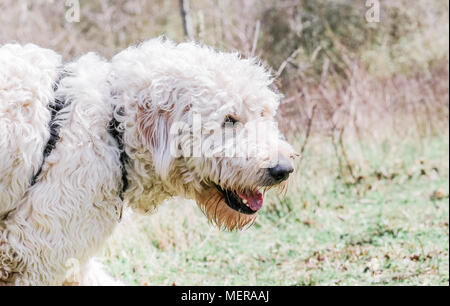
{"x":248,"y":202}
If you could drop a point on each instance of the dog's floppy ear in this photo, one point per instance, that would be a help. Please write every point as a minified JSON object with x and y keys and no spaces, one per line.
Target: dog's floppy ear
{"x":153,"y":120}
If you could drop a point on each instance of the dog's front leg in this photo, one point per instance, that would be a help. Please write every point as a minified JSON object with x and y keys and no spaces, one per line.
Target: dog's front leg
{"x":91,"y":274}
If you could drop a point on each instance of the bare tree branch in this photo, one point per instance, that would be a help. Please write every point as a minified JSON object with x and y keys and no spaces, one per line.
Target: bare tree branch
{"x":308,"y":129}
{"x":344,"y":154}
{"x":187,"y":25}
{"x":256,"y":37}
{"x":287,"y":61}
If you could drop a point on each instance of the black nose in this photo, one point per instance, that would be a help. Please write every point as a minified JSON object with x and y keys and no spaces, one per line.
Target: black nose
{"x":281,"y":172}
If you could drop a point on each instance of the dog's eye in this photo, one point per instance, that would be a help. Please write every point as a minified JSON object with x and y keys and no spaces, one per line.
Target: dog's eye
{"x":230,"y":120}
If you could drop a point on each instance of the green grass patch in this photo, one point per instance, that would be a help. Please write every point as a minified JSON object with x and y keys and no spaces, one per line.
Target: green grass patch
{"x":390,"y":227}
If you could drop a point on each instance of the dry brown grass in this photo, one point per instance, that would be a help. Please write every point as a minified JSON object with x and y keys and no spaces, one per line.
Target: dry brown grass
{"x":362,"y":79}
{"x":415,"y":105}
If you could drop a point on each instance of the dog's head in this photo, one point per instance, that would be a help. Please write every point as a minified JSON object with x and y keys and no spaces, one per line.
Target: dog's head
{"x":208,"y":121}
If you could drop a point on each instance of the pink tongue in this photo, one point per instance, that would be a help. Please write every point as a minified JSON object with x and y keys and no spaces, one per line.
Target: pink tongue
{"x":254,"y":199}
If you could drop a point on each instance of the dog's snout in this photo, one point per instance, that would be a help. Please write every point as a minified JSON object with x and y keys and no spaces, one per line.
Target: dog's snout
{"x":281,"y":171}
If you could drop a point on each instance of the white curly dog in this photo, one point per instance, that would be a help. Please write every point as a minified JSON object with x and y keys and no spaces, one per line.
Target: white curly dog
{"x":78,"y":141}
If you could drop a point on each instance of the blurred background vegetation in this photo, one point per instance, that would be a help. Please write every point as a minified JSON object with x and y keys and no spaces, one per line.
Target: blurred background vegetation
{"x":355,"y":74}
{"x":366,"y":103}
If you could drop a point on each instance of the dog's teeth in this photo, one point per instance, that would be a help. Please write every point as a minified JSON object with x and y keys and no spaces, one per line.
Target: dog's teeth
{"x":244,"y":201}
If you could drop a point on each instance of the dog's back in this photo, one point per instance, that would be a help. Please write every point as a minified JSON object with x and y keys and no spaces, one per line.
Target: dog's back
{"x":27,"y":75}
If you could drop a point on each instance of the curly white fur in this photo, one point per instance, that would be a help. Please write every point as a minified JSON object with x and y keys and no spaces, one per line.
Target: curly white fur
{"x":76,"y":203}
{"x":26,"y":77}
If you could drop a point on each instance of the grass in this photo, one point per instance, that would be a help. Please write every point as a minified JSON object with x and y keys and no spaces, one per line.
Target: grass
{"x":390,"y":227}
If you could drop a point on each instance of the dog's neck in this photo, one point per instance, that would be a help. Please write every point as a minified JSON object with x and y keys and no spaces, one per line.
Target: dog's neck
{"x":146,"y":188}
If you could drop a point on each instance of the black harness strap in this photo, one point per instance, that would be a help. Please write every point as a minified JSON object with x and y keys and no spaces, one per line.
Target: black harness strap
{"x":54,"y":127}
{"x":114,"y":129}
